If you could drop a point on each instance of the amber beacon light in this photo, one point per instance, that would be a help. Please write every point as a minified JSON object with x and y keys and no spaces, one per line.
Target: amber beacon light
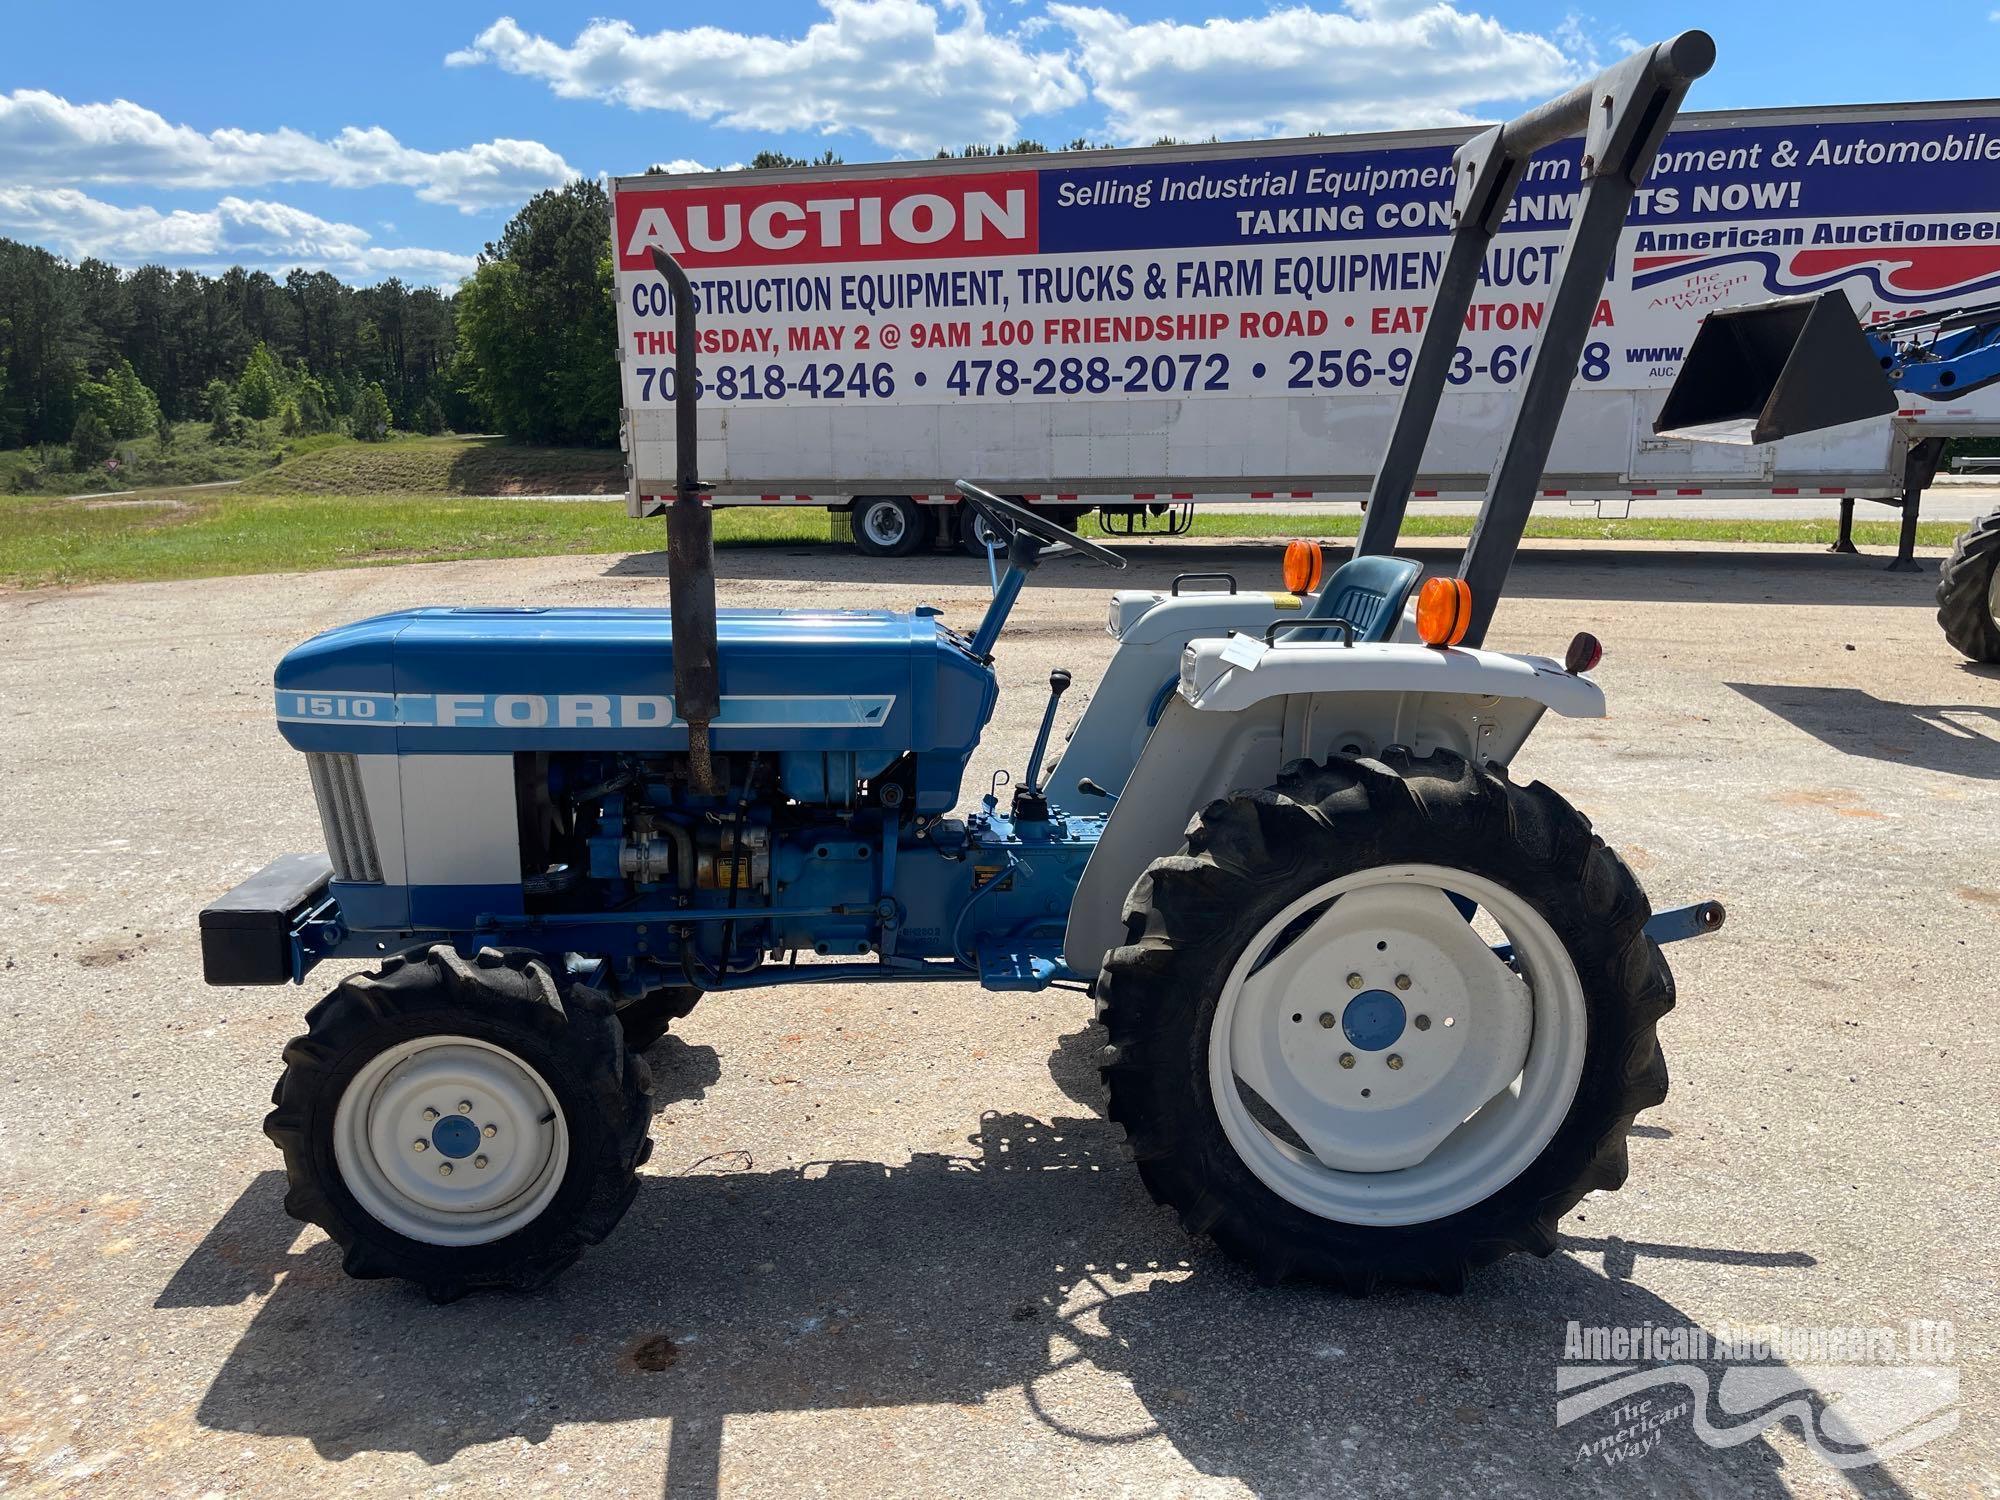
{"x":1444,"y":610}
{"x":1304,"y":562}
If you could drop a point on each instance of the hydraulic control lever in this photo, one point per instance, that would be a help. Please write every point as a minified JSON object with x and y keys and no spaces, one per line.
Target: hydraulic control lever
{"x":1058,"y":685}
{"x":1029,"y":801}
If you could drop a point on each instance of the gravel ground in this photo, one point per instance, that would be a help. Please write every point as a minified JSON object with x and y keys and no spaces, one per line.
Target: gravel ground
{"x":887,"y":1244}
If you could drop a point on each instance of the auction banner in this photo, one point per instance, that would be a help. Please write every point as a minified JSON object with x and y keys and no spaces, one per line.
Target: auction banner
{"x":1282,"y":271}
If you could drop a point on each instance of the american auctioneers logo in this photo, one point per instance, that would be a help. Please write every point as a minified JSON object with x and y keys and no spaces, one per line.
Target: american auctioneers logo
{"x":1856,"y":1395}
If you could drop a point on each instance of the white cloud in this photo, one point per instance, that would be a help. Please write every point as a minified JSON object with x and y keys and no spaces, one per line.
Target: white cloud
{"x":1373,"y":65}
{"x":912,"y":75}
{"x":237,"y":231}
{"x":47,"y":140}
{"x":896,"y":71}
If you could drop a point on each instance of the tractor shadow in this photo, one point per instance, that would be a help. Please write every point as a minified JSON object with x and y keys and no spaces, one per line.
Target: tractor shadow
{"x":1598,"y":571}
{"x":1031,"y":1262}
{"x":1961,"y":739}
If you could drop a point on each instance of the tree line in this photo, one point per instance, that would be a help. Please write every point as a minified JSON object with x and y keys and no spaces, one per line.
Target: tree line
{"x":525,"y":346}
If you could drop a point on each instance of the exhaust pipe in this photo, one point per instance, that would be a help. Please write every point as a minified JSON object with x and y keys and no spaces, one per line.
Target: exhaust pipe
{"x":691,"y":551}
{"x":1770,"y":371}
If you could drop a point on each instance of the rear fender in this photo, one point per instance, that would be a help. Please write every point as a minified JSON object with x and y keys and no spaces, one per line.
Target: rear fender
{"x":1244,"y":710}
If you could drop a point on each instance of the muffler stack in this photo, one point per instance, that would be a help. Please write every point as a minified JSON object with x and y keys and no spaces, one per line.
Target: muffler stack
{"x":691,"y":551}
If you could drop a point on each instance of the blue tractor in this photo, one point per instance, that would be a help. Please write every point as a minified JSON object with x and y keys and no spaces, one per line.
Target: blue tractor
{"x":1377,"y":1012}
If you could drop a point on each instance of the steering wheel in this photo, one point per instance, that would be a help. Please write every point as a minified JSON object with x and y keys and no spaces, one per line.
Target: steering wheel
{"x":1008,"y":517}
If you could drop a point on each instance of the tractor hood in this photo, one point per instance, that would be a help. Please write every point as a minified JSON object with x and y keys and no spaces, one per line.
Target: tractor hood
{"x":485,"y":681}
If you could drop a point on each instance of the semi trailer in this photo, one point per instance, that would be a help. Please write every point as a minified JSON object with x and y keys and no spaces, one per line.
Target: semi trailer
{"x":1134,"y":331}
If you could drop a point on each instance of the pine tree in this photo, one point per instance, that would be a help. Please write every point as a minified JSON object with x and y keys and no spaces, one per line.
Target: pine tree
{"x":90,"y":440}
{"x":220,"y":403}
{"x":261,"y":385}
{"x":371,"y":414}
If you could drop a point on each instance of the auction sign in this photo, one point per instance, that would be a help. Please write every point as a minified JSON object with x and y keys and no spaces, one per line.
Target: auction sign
{"x":1298,"y":269}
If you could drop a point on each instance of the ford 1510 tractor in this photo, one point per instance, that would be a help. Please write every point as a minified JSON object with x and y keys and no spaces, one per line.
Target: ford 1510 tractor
{"x":1376,"y":1011}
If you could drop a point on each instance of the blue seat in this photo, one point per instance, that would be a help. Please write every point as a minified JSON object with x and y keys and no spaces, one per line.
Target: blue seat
{"x":1367,"y":592}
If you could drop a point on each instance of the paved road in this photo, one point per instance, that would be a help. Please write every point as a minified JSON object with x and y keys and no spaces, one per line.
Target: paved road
{"x":887,"y":1244}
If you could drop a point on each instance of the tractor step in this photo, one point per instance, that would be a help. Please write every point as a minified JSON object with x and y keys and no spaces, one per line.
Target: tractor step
{"x":1028,"y":969}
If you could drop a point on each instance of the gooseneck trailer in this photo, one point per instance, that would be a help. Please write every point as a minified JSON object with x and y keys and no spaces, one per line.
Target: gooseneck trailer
{"x":1377,"y":1011}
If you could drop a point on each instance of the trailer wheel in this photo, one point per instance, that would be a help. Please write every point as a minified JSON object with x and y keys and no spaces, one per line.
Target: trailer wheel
{"x":974,"y":530}
{"x":888,"y":525}
{"x":1320,"y":1061}
{"x":461,"y":1124}
{"x":1968,"y":592}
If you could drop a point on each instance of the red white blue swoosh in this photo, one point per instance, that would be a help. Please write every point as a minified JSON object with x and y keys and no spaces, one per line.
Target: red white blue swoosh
{"x":1909,"y":274}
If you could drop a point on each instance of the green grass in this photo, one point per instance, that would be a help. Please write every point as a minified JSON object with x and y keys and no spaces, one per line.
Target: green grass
{"x":213,"y":533}
{"x":192,"y":458}
{"x":444,"y":466}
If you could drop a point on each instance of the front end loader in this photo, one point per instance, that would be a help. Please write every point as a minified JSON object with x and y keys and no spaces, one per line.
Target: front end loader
{"x":1377,"y":1011}
{"x":1766,"y":371}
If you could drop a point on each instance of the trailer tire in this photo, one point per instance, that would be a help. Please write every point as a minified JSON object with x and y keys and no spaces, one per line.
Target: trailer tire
{"x":560,"y":1108}
{"x":888,"y":525}
{"x":1256,"y":859}
{"x":973,"y":529}
{"x":1968,"y":583}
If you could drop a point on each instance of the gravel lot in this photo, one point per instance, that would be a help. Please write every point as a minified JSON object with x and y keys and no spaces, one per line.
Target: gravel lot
{"x":886,"y":1243}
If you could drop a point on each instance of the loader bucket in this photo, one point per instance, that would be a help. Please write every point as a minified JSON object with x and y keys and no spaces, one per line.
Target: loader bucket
{"x":1758,"y":374}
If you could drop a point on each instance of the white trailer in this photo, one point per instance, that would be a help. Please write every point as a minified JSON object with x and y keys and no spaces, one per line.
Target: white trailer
{"x":1139,"y":330}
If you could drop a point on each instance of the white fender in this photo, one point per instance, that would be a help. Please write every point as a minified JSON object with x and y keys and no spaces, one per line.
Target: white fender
{"x":1245,"y":709}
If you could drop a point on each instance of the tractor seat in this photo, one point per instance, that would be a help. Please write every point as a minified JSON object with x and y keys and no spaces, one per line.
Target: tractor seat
{"x":1367,"y":592}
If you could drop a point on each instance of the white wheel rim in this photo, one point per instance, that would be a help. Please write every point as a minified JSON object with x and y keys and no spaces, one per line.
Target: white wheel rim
{"x":1476,"y":1091}
{"x":455,"y":1102}
{"x":884,"y":523}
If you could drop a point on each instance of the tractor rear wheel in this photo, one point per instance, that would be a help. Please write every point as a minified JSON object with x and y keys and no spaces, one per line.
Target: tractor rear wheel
{"x":1324,"y":1058}
{"x":1968,"y":593}
{"x":461,"y":1123}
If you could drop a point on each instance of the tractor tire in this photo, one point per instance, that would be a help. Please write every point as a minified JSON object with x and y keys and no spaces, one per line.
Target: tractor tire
{"x":370,"y":1120}
{"x":646,"y":1019}
{"x":888,"y":525}
{"x":1968,"y":592}
{"x":1253,"y":871}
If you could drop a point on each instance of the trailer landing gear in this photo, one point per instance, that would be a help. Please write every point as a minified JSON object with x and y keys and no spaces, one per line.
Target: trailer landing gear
{"x":1919,"y":469}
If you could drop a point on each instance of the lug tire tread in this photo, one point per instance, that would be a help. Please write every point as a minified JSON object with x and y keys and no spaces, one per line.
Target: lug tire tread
{"x":1246,"y":856}
{"x":1963,"y":598}
{"x":501,"y":995}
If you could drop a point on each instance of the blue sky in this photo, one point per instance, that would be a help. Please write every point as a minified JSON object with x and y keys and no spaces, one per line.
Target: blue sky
{"x":376,"y":140}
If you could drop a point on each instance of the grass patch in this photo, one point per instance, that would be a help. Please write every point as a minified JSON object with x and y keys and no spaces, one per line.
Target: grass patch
{"x":214,"y":533}
{"x":445,"y":466}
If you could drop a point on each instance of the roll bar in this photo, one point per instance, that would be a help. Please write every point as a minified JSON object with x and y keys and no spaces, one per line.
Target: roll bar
{"x":1623,"y":114}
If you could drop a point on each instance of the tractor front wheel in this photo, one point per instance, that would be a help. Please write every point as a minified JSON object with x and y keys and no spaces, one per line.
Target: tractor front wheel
{"x":1968,"y":595}
{"x":461,"y":1123}
{"x":1385,"y":1022}
{"x":646,"y":1019}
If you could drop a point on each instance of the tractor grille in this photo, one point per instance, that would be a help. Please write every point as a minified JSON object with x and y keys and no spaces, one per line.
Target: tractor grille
{"x":343,"y":816}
